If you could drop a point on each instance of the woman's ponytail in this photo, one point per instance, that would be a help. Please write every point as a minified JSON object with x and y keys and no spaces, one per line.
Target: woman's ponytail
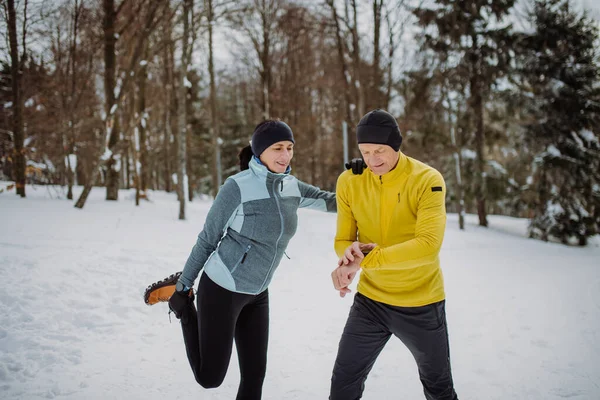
{"x":245,"y":156}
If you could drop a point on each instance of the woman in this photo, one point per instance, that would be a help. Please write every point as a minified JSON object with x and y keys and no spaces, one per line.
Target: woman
{"x":244,"y":238}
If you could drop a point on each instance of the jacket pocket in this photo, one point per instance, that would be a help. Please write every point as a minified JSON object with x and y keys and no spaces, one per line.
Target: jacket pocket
{"x":242,"y":258}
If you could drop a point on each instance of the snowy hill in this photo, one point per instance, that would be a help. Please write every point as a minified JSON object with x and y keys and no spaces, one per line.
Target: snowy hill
{"x":523,"y":315}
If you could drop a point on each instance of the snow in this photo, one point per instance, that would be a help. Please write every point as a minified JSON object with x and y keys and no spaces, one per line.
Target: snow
{"x":72,"y":161}
{"x":136,"y":136}
{"x":522,"y":313}
{"x":554,"y":209}
{"x":467,"y":154}
{"x":186,"y":82}
{"x":36,"y":165}
{"x":28,"y":140}
{"x":552,"y":150}
{"x":107,"y":154}
{"x":577,"y":140}
{"x":29,"y":102}
{"x":588,"y":136}
{"x":496,"y":166}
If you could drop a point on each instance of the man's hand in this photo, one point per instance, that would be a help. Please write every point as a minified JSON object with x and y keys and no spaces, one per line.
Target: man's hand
{"x":356,"y":249}
{"x":343,"y":276}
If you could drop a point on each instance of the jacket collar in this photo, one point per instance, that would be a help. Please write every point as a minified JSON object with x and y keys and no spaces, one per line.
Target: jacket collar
{"x":393,"y":175}
{"x":261,"y":170}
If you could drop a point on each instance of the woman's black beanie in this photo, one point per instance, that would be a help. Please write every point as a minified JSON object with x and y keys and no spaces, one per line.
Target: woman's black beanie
{"x":269,"y":132}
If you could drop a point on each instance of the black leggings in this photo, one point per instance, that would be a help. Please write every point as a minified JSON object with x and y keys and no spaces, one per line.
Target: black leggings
{"x":208,"y":334}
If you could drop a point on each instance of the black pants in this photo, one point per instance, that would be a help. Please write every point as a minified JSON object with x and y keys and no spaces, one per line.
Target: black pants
{"x":208,"y":334}
{"x":368,"y":328}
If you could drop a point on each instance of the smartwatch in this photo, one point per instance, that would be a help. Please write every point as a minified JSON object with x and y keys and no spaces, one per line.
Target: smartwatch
{"x":180,"y":287}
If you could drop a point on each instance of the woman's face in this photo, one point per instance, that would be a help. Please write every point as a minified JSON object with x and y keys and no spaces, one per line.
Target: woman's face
{"x":278,"y":156}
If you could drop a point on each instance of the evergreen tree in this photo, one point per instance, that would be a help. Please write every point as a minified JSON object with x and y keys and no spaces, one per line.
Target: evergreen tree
{"x":562,"y":74}
{"x":472,"y":37}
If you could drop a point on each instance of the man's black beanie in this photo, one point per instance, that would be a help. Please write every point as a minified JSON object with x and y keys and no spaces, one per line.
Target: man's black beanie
{"x":268,"y":133}
{"x":379,"y":127}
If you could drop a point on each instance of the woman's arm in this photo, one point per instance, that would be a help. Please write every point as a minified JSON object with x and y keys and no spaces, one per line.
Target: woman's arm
{"x":217,"y":220}
{"x":315,"y":198}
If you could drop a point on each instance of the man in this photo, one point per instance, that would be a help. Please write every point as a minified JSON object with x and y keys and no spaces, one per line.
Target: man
{"x":391,"y":222}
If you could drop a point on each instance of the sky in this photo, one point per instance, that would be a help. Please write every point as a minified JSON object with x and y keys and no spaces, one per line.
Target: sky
{"x":522,"y":314}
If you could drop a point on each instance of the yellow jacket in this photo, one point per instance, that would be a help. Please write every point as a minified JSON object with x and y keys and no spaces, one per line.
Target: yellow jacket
{"x":404,"y":212}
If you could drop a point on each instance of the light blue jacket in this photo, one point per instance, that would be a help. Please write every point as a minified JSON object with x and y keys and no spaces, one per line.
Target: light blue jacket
{"x":249,"y":226}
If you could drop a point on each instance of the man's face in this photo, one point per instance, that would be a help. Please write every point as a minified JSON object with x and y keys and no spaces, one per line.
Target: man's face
{"x":380,"y":158}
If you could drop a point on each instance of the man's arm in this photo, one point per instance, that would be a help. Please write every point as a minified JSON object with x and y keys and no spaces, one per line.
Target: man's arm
{"x":429,"y":233}
{"x":346,"y":231}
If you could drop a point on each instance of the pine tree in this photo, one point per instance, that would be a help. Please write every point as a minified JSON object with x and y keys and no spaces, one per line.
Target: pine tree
{"x":562,"y":73}
{"x":472,"y":36}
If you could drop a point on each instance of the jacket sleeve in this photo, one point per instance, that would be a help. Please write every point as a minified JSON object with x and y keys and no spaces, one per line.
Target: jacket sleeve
{"x":217,"y":220}
{"x":346,"y":232}
{"x":315,"y":198}
{"x":429,"y":232}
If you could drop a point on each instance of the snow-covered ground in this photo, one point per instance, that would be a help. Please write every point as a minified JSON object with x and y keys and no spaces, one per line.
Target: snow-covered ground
{"x":523,"y":314}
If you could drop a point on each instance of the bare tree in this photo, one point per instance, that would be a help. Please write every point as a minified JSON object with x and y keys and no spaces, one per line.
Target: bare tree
{"x":16,"y":68}
{"x":358,"y":83}
{"x":344,"y":68}
{"x":142,"y":115}
{"x":112,"y":136}
{"x":186,"y":52}
{"x":258,"y":20}
{"x":376,"y":73}
{"x":214,"y":120}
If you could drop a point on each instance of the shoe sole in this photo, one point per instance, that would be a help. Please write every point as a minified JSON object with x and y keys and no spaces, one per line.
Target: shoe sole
{"x":161,"y":291}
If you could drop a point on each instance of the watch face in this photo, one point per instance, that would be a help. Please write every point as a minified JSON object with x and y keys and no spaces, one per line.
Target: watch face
{"x":179,"y":287}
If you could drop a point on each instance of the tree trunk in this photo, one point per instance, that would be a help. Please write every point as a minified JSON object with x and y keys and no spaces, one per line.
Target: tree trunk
{"x":71,"y":138}
{"x":112,"y":174}
{"x":376,"y":72}
{"x":88,"y":187}
{"x":112,"y":123}
{"x":457,"y":166}
{"x":17,"y":99}
{"x":142,"y":76}
{"x":358,"y":84}
{"x":266,"y":62}
{"x":182,"y":111}
{"x":344,"y":72}
{"x":127,"y":164}
{"x":188,"y":159}
{"x":476,"y":103}
{"x":214,"y":120}
{"x":170,"y":109}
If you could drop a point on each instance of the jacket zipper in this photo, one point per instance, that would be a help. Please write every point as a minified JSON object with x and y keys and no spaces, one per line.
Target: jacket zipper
{"x":242,"y":259}
{"x":381,"y":208}
{"x":246,"y":253}
{"x":280,"y":233}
